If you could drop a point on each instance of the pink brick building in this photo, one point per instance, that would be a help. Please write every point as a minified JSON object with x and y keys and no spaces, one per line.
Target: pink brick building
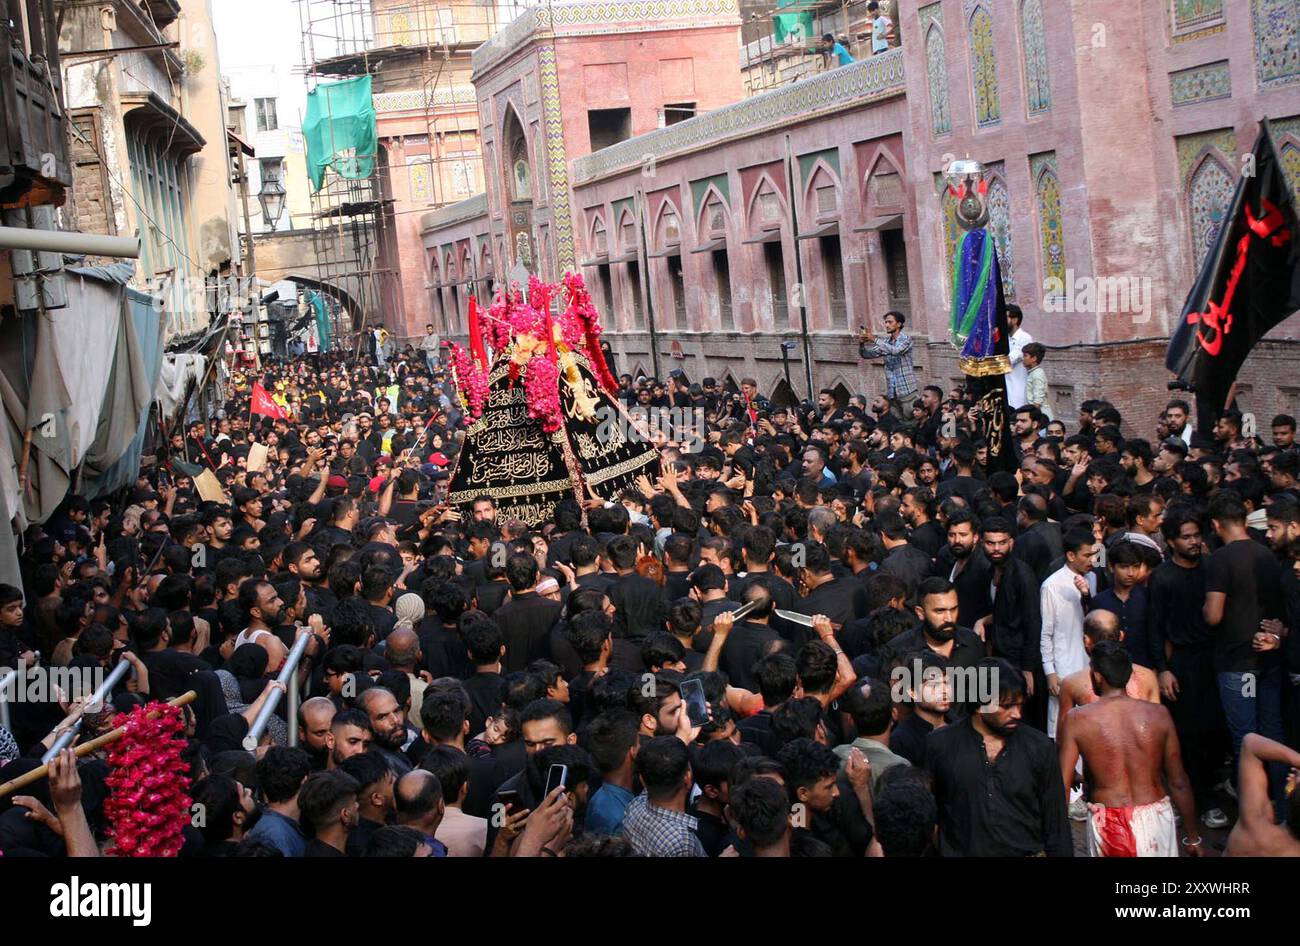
{"x":1113,"y":137}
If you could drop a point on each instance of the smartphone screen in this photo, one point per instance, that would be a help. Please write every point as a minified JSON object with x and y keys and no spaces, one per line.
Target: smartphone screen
{"x":556,"y":776}
{"x":697,"y":707}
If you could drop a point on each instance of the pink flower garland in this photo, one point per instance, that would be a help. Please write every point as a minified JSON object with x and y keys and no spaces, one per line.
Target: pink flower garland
{"x":581,"y":322}
{"x":149,"y":805}
{"x":542,"y":390}
{"x":471,"y":379}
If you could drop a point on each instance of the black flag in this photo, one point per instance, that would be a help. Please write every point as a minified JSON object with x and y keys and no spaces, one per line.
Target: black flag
{"x":990,"y":392}
{"x":1250,"y":282}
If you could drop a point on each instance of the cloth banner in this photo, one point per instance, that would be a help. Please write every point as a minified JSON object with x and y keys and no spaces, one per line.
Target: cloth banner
{"x":340,"y":130}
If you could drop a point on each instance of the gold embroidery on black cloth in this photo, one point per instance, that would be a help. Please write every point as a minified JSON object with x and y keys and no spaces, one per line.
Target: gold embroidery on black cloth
{"x":510,"y":439}
{"x":627,"y":466}
{"x":507,"y":492}
{"x":590,"y":448}
{"x":992,"y":404}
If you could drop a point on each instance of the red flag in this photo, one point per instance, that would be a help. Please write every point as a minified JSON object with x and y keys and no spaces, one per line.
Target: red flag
{"x":476,"y":346}
{"x":262,"y":404}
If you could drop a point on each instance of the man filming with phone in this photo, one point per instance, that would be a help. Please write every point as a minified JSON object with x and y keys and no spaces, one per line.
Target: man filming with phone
{"x":896,"y":348}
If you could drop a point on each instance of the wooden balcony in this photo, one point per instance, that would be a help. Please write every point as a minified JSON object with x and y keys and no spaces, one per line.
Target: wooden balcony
{"x":34,"y":161}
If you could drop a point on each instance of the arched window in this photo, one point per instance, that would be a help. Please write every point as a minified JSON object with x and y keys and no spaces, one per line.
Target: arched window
{"x":520,"y":174}
{"x":1038,"y":87}
{"x":936,"y":67}
{"x":984,"y":68}
{"x":1209,"y":191}
{"x":1051,"y":230}
{"x":999,"y":204}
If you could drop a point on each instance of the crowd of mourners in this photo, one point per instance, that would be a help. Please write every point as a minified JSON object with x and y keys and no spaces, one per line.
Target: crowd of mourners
{"x":819,"y":629}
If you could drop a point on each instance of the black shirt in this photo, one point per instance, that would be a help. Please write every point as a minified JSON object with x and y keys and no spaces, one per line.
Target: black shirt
{"x":1250,"y":576}
{"x":359,"y":836}
{"x":746,"y":645}
{"x":1013,"y":806}
{"x":971,"y":582}
{"x":318,"y":848}
{"x":908,"y":563}
{"x":908,"y":738}
{"x":966,"y":650}
{"x":640,"y":609}
{"x":928,"y":537}
{"x":712,"y":832}
{"x":526,"y":621}
{"x":444,"y":652}
{"x":383,"y":619}
{"x":840,"y":599}
{"x":486,"y":692}
{"x":1016,"y":629}
{"x":1175,"y":615}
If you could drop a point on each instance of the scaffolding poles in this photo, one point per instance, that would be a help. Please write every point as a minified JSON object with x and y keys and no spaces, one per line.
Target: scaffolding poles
{"x":421,"y":49}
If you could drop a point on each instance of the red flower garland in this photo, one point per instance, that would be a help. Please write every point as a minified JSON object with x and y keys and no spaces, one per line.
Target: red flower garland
{"x":149,"y":805}
{"x":542,"y":390}
{"x":581,"y":320}
{"x":471,"y":380}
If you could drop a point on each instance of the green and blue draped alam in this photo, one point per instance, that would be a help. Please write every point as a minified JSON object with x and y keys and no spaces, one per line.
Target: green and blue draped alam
{"x":978,"y":328}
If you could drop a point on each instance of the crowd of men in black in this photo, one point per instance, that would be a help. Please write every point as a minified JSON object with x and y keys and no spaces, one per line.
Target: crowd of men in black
{"x":476,"y":687}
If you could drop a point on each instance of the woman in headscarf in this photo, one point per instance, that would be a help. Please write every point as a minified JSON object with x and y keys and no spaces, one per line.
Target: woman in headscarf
{"x":243,"y":679}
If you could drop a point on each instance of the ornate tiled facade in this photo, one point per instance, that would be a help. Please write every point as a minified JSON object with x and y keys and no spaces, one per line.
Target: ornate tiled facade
{"x":556,"y":160}
{"x":936,"y":68}
{"x":1189,"y":148}
{"x":1200,"y":84}
{"x":984,"y":67}
{"x":420,"y":99}
{"x":1033,"y":41}
{"x":1286,"y":134}
{"x":1193,"y":19}
{"x":1001,"y":225}
{"x":1208,"y":194}
{"x":1277,"y":42}
{"x":1046,"y":179}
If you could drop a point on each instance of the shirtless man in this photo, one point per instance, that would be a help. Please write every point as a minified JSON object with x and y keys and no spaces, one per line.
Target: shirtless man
{"x":1076,"y":689}
{"x":1256,"y":834}
{"x":1130,"y":750}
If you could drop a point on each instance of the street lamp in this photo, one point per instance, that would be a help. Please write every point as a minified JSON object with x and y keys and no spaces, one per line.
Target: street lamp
{"x":271,"y":197}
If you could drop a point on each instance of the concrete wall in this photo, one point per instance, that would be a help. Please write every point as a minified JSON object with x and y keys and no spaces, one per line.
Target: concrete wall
{"x":214,"y":208}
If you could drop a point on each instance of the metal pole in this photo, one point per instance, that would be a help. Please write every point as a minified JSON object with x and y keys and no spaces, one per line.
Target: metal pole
{"x":290,"y":669}
{"x":6,"y":681}
{"x":798,"y":269}
{"x":643,"y":276}
{"x":97,"y":699}
{"x":65,"y":241}
{"x":64,"y":741}
{"x":94,"y":704}
{"x":293,"y":709}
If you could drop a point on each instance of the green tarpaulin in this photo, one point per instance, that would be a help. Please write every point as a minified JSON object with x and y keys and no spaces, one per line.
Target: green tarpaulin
{"x":321,"y":308}
{"x":340,"y":130}
{"x":797,"y":26}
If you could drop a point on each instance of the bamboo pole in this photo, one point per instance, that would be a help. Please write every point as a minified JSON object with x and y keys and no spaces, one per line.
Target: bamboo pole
{"x":85,"y":749}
